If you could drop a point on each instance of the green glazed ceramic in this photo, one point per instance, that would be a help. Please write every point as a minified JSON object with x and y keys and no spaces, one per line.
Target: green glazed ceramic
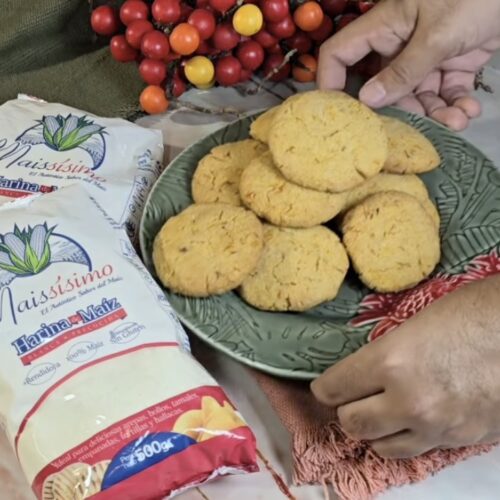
{"x":466,"y":189}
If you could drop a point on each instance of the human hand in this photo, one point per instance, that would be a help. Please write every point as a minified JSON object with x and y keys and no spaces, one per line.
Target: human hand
{"x":432,"y":383}
{"x":434,"y":49}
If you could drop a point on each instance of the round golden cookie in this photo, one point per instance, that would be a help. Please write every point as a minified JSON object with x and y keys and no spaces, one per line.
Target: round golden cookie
{"x":260,"y":128}
{"x":410,"y":152}
{"x":217,"y":176}
{"x":207,"y":249}
{"x":267,"y":193}
{"x":410,"y":184}
{"x":327,"y":141}
{"x":299,"y":269}
{"x":392,"y":241}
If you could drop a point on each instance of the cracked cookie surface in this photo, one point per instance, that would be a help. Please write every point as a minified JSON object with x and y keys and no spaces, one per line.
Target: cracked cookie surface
{"x":392,"y":241}
{"x":266,"y":192}
{"x":299,"y":269}
{"x":208,"y":249}
{"x":409,"y":152}
{"x":261,"y":126}
{"x":217,"y":177}
{"x":383,"y":182}
{"x":328,"y":141}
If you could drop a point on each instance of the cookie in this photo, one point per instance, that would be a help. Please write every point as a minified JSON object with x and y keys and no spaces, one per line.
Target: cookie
{"x":327,"y":141}
{"x":260,"y":128}
{"x":77,"y":481}
{"x":299,"y":269}
{"x":267,"y":193}
{"x":410,"y":152}
{"x":392,"y":241}
{"x":410,"y":184}
{"x":432,"y":210}
{"x":93,"y":485}
{"x":217,"y":176}
{"x":207,"y":249}
{"x":65,"y":484}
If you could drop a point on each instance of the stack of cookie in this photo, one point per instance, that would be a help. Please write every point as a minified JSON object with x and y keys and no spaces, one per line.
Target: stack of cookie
{"x":260,"y":204}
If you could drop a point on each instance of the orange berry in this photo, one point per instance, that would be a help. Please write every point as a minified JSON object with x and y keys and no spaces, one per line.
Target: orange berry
{"x":305,"y":69}
{"x":153,"y":100}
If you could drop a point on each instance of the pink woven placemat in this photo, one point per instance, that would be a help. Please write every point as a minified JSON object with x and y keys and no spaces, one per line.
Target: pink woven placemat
{"x":323,"y":454}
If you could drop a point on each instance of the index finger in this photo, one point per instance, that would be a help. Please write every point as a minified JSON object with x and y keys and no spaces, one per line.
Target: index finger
{"x":355,"y":41}
{"x":354,"y":378}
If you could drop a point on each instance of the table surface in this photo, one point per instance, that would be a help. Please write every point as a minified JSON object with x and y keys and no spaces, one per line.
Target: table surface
{"x":478,"y":477}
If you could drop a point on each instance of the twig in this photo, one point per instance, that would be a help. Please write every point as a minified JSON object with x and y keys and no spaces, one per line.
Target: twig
{"x":267,"y":89}
{"x":202,"y":494}
{"x":276,"y":477}
{"x":479,"y":83}
{"x":177,"y":104}
{"x":274,"y":71}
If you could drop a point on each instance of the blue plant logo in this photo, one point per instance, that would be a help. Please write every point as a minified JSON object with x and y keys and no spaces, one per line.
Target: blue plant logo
{"x":29,"y":251}
{"x":61,"y":133}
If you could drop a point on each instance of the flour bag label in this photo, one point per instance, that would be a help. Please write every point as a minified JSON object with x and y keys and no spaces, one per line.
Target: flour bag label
{"x":46,"y":146}
{"x":99,"y":396}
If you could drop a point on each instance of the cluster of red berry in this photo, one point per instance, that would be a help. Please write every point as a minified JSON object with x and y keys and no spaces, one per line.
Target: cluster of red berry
{"x":200,"y":43}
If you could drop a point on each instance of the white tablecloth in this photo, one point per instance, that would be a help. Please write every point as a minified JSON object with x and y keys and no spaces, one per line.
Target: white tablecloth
{"x":476,"y":478}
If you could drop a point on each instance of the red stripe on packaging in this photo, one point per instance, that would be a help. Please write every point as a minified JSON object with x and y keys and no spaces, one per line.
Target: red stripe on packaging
{"x":138,"y":468}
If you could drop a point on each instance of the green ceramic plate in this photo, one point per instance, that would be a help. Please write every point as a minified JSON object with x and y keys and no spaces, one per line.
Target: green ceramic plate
{"x":466,"y":189}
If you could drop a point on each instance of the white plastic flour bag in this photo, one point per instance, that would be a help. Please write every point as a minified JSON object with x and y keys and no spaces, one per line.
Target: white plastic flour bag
{"x":45,"y":146}
{"x":98,"y":394}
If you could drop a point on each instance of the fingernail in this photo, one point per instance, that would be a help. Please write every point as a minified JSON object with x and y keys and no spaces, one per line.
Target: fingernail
{"x":373,"y":93}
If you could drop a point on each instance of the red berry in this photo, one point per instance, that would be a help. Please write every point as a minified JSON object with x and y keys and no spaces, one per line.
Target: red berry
{"x":166,"y":11}
{"x":133,"y":10}
{"x":155,"y":45}
{"x":136,"y":31}
{"x":324,"y":32}
{"x":334,"y":7}
{"x":121,"y":50}
{"x":222,"y":5}
{"x":265,"y":38}
{"x":228,"y":71}
{"x":365,"y":6}
{"x":225,"y":37}
{"x":105,"y":21}
{"x":250,"y":54}
{"x":274,"y":10}
{"x":186,"y":11}
{"x":246,"y":74}
{"x":300,"y":42}
{"x":273,"y":62}
{"x":203,"y":49}
{"x":275,"y":49}
{"x":345,"y":20}
{"x":202,"y":4}
{"x":204,"y":22}
{"x":153,"y":72}
{"x":178,"y":86}
{"x":282,"y":29}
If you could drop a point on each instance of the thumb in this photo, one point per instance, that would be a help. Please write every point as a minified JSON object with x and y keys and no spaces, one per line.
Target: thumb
{"x":405,"y":72}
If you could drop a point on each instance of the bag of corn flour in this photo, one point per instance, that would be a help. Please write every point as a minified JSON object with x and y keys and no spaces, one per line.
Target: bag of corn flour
{"x":98,"y":394}
{"x":45,"y":146}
